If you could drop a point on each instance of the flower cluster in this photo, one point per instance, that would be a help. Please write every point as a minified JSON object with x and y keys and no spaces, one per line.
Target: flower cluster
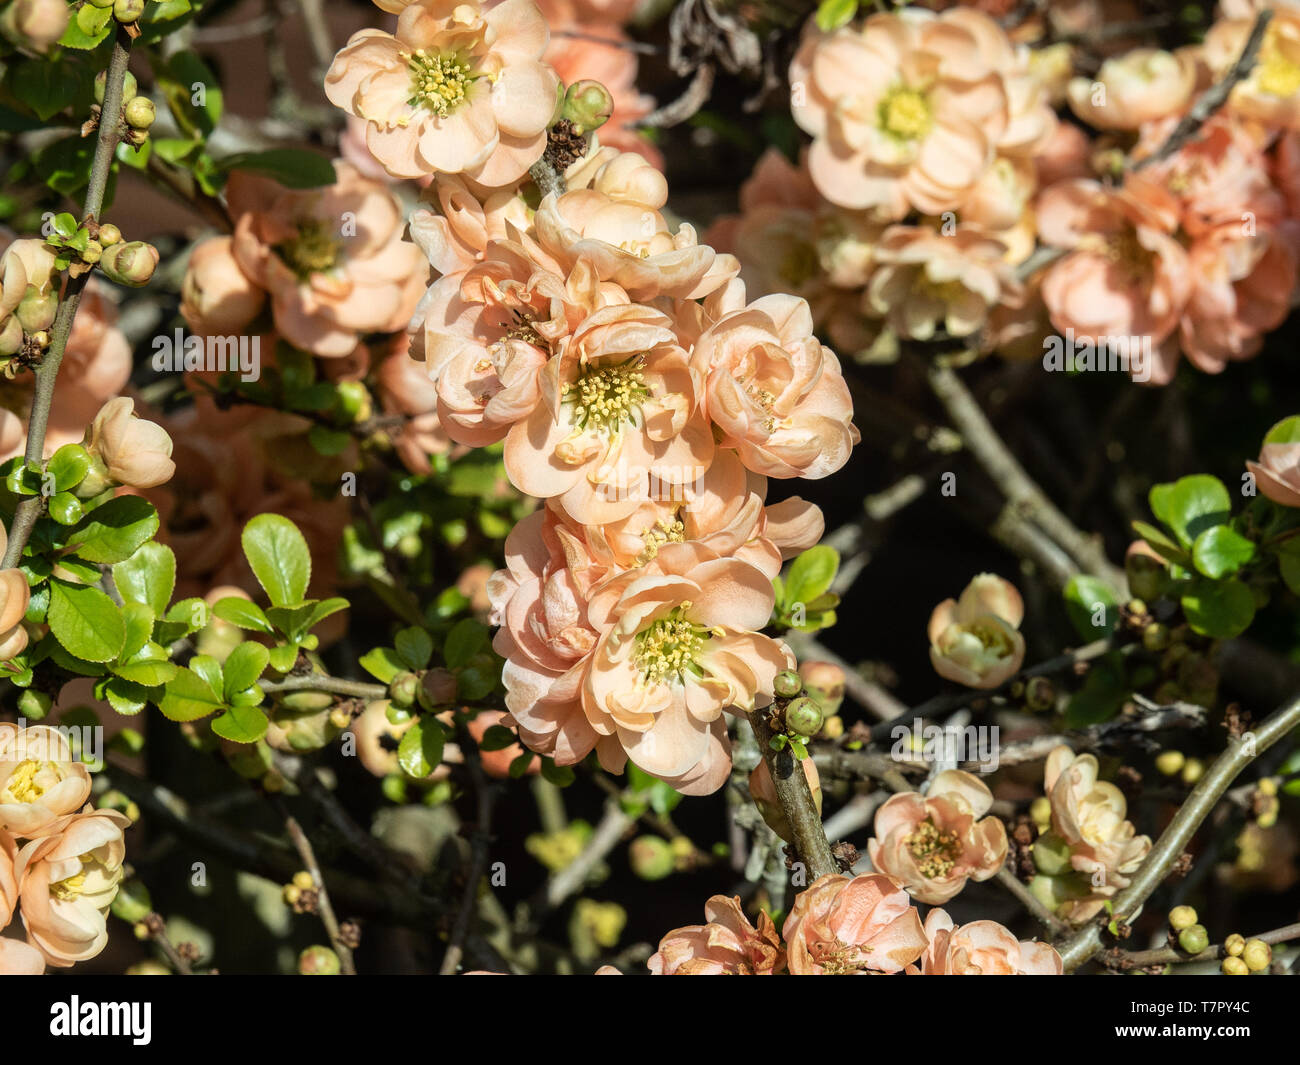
{"x":841,"y":926}
{"x":945,"y":154}
{"x":60,"y":858}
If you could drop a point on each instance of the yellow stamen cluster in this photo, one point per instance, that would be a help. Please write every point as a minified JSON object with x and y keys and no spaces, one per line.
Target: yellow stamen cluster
{"x":27,"y":782}
{"x":1277,"y":75}
{"x":905,"y":114}
{"x":439,"y":83}
{"x":660,"y":533}
{"x":606,"y":398}
{"x":314,"y":250}
{"x":669,"y":648}
{"x":69,"y":889}
{"x":935,"y":851}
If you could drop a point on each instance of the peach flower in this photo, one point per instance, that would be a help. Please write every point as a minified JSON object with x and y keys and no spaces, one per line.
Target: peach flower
{"x":1270,"y":93}
{"x":8,"y":881}
{"x":1277,"y":473}
{"x":929,"y":280}
{"x":134,"y":452}
{"x":610,"y":217}
{"x":217,"y":298}
{"x":975,"y":640}
{"x":19,"y":959}
{"x":908,"y":110}
{"x":68,"y":880}
{"x":1123,"y":275}
{"x":458,"y":89}
{"x":455,"y":234}
{"x":1090,"y":816}
{"x":1140,"y":86}
{"x":844,"y":925}
{"x":40,"y":780}
{"x":333,"y":260}
{"x":983,"y":948}
{"x":934,"y":843}
{"x":775,"y":391}
{"x":15,"y":595}
{"x":728,"y":945}
{"x":617,"y":423}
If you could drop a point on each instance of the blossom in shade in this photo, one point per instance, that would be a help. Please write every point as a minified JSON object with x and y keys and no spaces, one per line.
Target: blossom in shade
{"x":726,"y":945}
{"x":982,"y":948}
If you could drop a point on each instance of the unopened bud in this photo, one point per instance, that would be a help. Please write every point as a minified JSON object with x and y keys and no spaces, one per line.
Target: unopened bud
{"x":1155,"y":637}
{"x":36,"y":24}
{"x":303,"y":880}
{"x":438,"y":688}
{"x":132,"y":263}
{"x":588,"y":105}
{"x":1234,"y":945}
{"x":129,"y":87}
{"x":803,"y":716}
{"x":1147,"y":576}
{"x":1193,"y":771}
{"x":318,"y":961}
{"x":1040,"y":811}
{"x":36,"y":311}
{"x":1234,"y":967}
{"x":128,"y":10}
{"x":1169,"y":763}
{"x":109,"y":234}
{"x":651,"y":858}
{"x":33,"y":705}
{"x":787,"y":684}
{"x":1257,"y":955}
{"x":1194,"y":939}
{"x":1181,"y":917}
{"x":1040,"y":694}
{"x":93,"y":252}
{"x":140,"y":113}
{"x":824,"y":681}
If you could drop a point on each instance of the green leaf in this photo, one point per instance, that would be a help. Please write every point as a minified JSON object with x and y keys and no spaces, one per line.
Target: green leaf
{"x":1161,"y":544}
{"x":114,"y":530}
{"x":1191,"y":505}
{"x":126,"y":697}
{"x":65,"y":508}
{"x":466,"y":639}
{"x":559,"y":775}
{"x":184,"y":617}
{"x":148,"y":576}
{"x":45,"y":86}
{"x":147,"y":672}
{"x":138,"y":620}
{"x":242,"y":613}
{"x":185,"y":77}
{"x":811,"y":575}
{"x":68,"y":466}
{"x":420,"y":751}
{"x":278,"y":555}
{"x":1288,"y":564}
{"x":497,"y":738}
{"x":1221,"y":609}
{"x":241,"y":724}
{"x":296,"y":622}
{"x":189,"y":697}
{"x":78,"y":571}
{"x":88,"y":29}
{"x":291,"y":167}
{"x":383,"y":664}
{"x":209,"y":669}
{"x":1221,"y":551}
{"x":283,"y":657}
{"x":1085,"y":599}
{"x":414,"y":647}
{"x":244,"y":665}
{"x":1287,"y":431}
{"x":832,"y":14}
{"x":521,"y":765}
{"x":85,"y":621}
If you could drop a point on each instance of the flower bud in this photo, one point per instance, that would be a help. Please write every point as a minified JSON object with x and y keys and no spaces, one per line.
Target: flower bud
{"x":1234,"y":945}
{"x":303,"y":880}
{"x":11,"y":337}
{"x":128,"y":10}
{"x":650,"y":857}
{"x":132,"y":902}
{"x":437,"y":689}
{"x":1147,"y":576}
{"x":1181,"y":917}
{"x":109,"y":234}
{"x":1155,"y":637}
{"x":1193,"y":771}
{"x":832,"y":728}
{"x":803,"y":716}
{"x":37,"y":309}
{"x":36,"y":24}
{"x":1051,"y":854}
{"x":134,"y":452}
{"x":1234,"y":967}
{"x":787,"y":684}
{"x":1257,"y":955}
{"x":318,"y":961}
{"x":1040,"y":811}
{"x":140,"y":112}
{"x":1040,"y":694}
{"x":588,"y":105}
{"x":129,"y":87}
{"x":33,"y":705}
{"x":1170,"y":763}
{"x":93,"y":252}
{"x":1194,"y":939}
{"x":824,"y":681}
{"x":132,"y":263}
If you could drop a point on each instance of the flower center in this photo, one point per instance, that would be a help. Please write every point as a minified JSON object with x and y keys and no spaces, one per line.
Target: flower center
{"x":670,"y":647}
{"x":1278,"y":75}
{"x":71,"y":888}
{"x":661,"y":532}
{"x":839,"y":958}
{"x":313,"y":251}
{"x":606,"y":398}
{"x":935,"y":851}
{"x":439,"y":83}
{"x":905,"y":114}
{"x":29,"y":781}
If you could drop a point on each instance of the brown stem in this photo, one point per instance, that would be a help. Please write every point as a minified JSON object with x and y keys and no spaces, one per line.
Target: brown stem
{"x":796,"y":800}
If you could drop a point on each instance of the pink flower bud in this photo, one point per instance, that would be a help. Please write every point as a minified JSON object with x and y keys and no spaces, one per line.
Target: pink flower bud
{"x":134,"y":452}
{"x":132,"y":263}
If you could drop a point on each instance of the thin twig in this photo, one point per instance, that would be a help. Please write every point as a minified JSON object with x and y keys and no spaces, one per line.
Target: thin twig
{"x":1054,"y":925}
{"x":796,"y":801}
{"x":320,"y":682}
{"x":1133,"y":959}
{"x":323,"y":905}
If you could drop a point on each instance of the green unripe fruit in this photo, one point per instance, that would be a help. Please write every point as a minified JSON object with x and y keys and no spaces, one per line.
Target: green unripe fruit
{"x":318,"y":961}
{"x":788,"y":684}
{"x":128,"y":10}
{"x":1194,"y":939}
{"x":1257,"y":955}
{"x":651,"y":858}
{"x":140,"y":113}
{"x":803,"y":716}
{"x":1182,"y":917}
